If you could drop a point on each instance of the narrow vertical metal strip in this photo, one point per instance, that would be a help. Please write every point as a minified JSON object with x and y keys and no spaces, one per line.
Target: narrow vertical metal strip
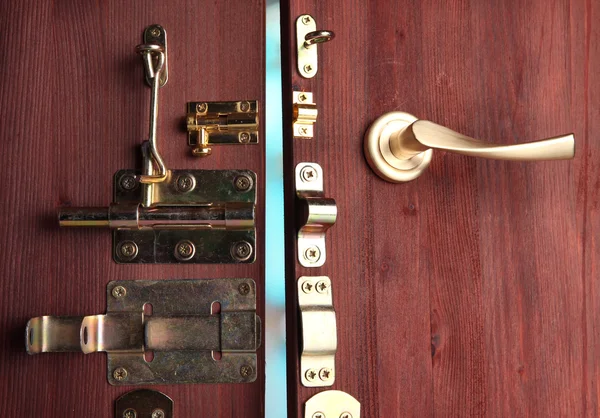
{"x":275,"y":350}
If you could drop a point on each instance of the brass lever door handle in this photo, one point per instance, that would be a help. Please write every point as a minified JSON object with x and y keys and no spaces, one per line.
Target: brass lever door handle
{"x":399,"y":147}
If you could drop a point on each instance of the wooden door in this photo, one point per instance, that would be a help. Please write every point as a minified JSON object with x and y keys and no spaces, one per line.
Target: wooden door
{"x":74,"y":111}
{"x":471,"y":290}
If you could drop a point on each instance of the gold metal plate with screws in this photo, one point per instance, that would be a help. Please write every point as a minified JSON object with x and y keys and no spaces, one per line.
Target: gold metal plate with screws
{"x":218,"y":123}
{"x":317,"y":215}
{"x":144,"y":403}
{"x":183,"y":332}
{"x":319,"y":331}
{"x":195,"y":216}
{"x":332,"y":404}
{"x":307,"y":39}
{"x":305,"y":114}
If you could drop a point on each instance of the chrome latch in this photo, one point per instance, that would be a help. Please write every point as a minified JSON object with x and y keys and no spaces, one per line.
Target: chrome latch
{"x":216,"y":123}
{"x":319,"y":215}
{"x":319,"y":331}
{"x":332,"y":404}
{"x":164,"y":332}
{"x":305,"y":114}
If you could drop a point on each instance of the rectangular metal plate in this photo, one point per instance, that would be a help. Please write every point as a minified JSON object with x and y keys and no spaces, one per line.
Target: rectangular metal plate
{"x":242,"y":117}
{"x":178,"y":298}
{"x":212,"y":245}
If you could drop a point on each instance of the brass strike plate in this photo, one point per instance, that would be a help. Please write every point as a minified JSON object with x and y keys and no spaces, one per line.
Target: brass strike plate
{"x":227,"y":233}
{"x":304,"y":114}
{"x":219,"y":123}
{"x":144,"y":403}
{"x":188,"y":340}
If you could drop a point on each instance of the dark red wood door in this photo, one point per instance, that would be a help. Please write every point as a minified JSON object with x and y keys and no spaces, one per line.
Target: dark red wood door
{"x":74,"y":111}
{"x":471,"y":290}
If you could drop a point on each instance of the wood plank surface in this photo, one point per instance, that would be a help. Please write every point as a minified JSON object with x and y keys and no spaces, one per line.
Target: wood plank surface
{"x":75,"y":110}
{"x":473,"y":290}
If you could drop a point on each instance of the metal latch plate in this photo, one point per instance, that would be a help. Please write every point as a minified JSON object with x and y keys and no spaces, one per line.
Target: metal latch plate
{"x":144,"y":403}
{"x":332,"y":404}
{"x":229,"y":227}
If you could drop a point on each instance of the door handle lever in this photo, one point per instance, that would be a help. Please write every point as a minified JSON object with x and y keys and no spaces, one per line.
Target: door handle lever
{"x":399,"y":147}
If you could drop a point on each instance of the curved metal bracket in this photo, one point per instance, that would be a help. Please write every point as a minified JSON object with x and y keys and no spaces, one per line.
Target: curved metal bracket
{"x":332,"y":403}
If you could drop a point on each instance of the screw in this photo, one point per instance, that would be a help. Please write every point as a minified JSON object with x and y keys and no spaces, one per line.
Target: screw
{"x":307,"y":287}
{"x":186,"y":183}
{"x":322,"y":286}
{"x":346,"y":415}
{"x":158,"y":413}
{"x":306,"y":20}
{"x":302,"y":97}
{"x":241,"y":251}
{"x":119,"y":291}
{"x":312,"y":254}
{"x":244,"y":138}
{"x":244,"y":106}
{"x":244,"y":289}
{"x":325,"y":374}
{"x":128,"y":182}
{"x":120,"y":374}
{"x":130,"y":413}
{"x":155,"y":32}
{"x":185,"y":250}
{"x":308,"y":174}
{"x":310,"y":375}
{"x":201,"y":107}
{"x":243,"y":183}
{"x":318,"y":415}
{"x":246,"y":371}
{"x":128,"y":250}
{"x":303,"y":131}
{"x":308,"y":68}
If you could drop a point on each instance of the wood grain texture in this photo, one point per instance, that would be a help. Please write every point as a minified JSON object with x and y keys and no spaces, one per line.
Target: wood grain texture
{"x":74,"y":110}
{"x":472,"y":291}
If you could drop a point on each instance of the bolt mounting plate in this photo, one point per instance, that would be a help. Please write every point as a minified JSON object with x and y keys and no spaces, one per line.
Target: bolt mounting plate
{"x":308,"y":60}
{"x":144,"y":402}
{"x":213,"y":241}
{"x":182,"y":332}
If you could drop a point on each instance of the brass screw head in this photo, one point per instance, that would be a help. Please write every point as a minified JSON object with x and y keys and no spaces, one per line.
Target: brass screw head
{"x":346,"y":415}
{"x":303,"y":130}
{"x":244,"y":106}
{"x":119,"y":292}
{"x":155,"y":32}
{"x":244,"y":138}
{"x":308,"y":68}
{"x":302,"y":97}
{"x":325,"y":374}
{"x":322,"y":286}
{"x":307,"y":286}
{"x":310,"y":375}
{"x":308,"y":174}
{"x":120,"y":374}
{"x":243,"y":183}
{"x":158,"y":413}
{"x":306,"y":20}
{"x":241,"y":251}
{"x":130,"y":413}
{"x":312,"y":254}
{"x":128,"y":182}
{"x":201,"y":107}
{"x":185,"y":250}
{"x":318,"y":415}
{"x":128,"y":250}
{"x":185,"y":183}
{"x":246,"y":371}
{"x":244,"y":289}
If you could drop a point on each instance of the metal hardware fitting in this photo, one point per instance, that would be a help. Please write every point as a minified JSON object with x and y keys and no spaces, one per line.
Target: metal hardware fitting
{"x":144,"y":403}
{"x":319,"y":215}
{"x":332,"y":404}
{"x":319,"y":331}
{"x":184,"y":223}
{"x":215,"y":123}
{"x":305,"y":114}
{"x":182,"y":332}
{"x":307,"y":38}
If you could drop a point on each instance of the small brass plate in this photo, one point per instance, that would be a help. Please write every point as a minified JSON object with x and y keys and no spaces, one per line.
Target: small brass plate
{"x":332,"y":403}
{"x":144,"y":403}
{"x":308,"y":62}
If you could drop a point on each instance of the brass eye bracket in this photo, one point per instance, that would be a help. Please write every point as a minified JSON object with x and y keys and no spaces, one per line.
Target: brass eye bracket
{"x":307,"y":38}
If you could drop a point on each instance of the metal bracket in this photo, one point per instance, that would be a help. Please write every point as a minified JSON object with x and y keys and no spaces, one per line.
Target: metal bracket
{"x":305,"y":114}
{"x":307,"y":38}
{"x":194,"y":216}
{"x":216,"y":123}
{"x":157,"y":35}
{"x":319,"y":331}
{"x":144,"y":403}
{"x":332,"y":404}
{"x":184,"y":332}
{"x":319,"y":215}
